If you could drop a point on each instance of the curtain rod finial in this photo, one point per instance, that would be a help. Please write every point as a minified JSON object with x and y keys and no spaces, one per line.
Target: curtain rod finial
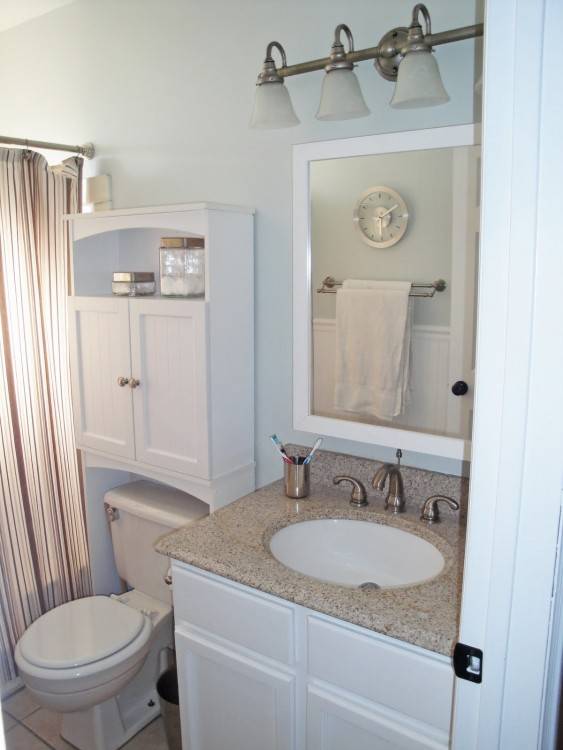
{"x":88,"y":150}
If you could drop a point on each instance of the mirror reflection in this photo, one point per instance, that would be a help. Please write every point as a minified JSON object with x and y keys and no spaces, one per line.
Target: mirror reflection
{"x":394,"y":255}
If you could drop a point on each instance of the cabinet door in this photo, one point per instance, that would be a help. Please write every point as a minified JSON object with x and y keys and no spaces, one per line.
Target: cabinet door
{"x":168,"y":352}
{"x":336,"y":723}
{"x":100,"y":354}
{"x":231,"y":701}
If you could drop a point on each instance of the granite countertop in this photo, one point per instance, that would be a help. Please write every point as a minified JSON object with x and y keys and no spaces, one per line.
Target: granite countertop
{"x":233,"y":543}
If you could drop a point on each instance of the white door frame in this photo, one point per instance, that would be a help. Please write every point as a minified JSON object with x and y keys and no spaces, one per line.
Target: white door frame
{"x":517,"y":461}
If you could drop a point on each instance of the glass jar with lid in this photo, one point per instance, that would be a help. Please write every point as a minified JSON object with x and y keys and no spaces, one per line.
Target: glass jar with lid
{"x":182,"y":266}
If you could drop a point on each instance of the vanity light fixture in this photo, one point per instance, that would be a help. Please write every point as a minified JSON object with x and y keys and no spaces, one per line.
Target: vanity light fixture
{"x":403,"y":55}
{"x":419,"y":83}
{"x":341,"y":96}
{"x":272,"y":105}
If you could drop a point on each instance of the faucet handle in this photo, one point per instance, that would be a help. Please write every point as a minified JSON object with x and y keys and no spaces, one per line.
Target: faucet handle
{"x":358,"y":497}
{"x":430,"y":512}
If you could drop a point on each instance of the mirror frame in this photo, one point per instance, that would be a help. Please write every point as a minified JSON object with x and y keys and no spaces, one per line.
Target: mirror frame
{"x":303,"y":154}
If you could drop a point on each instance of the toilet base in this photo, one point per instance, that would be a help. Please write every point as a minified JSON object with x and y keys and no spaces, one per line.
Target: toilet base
{"x":110,"y":724}
{"x":102,"y":727}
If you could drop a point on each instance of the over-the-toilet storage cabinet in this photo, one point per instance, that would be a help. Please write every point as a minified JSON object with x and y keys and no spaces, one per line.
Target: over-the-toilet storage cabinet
{"x":163,"y":387}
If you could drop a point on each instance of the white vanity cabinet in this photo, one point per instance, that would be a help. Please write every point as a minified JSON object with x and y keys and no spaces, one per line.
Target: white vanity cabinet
{"x":163,"y":387}
{"x":259,"y":673}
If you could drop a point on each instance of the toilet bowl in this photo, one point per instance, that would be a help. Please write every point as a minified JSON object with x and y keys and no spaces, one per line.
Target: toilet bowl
{"x":83,"y":652}
{"x":97,"y":660}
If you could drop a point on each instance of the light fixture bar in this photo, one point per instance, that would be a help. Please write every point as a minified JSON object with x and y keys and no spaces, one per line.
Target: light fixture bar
{"x":387,"y":50}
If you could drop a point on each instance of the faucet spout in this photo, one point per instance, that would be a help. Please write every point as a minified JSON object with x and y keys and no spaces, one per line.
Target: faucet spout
{"x":395,"y":499}
{"x":380,"y":477}
{"x":396,"y":496}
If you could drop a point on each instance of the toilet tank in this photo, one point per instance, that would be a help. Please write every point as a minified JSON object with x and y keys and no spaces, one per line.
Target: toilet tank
{"x":146,"y":511}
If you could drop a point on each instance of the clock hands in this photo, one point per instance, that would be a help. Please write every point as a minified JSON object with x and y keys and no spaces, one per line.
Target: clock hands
{"x":389,"y":210}
{"x":380,"y":216}
{"x":380,"y":227}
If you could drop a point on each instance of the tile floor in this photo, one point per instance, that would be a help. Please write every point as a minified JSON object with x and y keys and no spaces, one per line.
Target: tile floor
{"x":29,"y":727}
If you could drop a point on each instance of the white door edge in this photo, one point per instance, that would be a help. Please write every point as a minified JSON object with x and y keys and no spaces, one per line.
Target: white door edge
{"x":518,"y":431}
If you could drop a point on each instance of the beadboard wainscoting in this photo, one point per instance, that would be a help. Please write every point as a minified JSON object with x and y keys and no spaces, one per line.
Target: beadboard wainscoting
{"x":429,"y":405}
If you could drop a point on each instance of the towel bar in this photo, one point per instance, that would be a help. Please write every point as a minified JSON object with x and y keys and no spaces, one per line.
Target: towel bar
{"x":329,"y":284}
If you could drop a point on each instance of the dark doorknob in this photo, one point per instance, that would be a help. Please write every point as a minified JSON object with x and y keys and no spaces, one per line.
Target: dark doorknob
{"x":460,"y":388}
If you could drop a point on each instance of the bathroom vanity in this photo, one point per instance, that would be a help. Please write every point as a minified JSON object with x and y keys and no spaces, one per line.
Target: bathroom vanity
{"x":295,"y":678}
{"x":304,"y":663}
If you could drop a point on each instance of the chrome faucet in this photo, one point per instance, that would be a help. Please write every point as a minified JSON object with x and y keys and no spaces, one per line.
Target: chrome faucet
{"x":395,"y":496}
{"x":358,"y":498}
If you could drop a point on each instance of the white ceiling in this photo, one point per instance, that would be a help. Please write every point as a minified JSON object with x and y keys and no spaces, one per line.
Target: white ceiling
{"x":14,"y":12}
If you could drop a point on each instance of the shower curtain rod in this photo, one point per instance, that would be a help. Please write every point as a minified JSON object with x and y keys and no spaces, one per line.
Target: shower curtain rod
{"x":87,"y":149}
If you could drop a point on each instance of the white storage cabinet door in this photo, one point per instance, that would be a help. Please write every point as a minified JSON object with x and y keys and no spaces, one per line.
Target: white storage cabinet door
{"x":231,"y":702}
{"x":169,"y":359}
{"x":100,"y":355}
{"x":335,"y":722}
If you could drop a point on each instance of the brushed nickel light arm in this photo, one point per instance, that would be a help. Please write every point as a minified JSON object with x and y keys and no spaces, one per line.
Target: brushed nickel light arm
{"x":389,"y":52}
{"x":269,"y":72}
{"x":338,"y":59}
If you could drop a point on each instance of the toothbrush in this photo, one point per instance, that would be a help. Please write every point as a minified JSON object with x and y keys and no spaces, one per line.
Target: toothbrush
{"x":278,"y":445}
{"x":313,"y":450}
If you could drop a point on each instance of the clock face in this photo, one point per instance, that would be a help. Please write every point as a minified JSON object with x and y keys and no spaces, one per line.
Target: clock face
{"x":381,"y":216}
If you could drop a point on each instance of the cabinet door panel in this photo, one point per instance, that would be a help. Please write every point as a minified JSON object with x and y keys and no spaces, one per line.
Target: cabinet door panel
{"x":230,"y":701}
{"x":242,"y":617}
{"x":382,"y":671}
{"x":334,"y":723}
{"x":100,"y":354}
{"x":168,"y":352}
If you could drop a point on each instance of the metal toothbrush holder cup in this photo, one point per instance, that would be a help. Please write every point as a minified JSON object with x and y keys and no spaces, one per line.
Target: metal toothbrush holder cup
{"x":297,"y":478}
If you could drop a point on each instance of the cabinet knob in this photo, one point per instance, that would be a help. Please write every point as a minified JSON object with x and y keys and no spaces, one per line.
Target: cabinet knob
{"x":134,"y":383}
{"x":460,"y":388}
{"x":122,"y":382}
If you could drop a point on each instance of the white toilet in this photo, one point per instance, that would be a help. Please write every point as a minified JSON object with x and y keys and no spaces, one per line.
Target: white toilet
{"x":97,"y":660}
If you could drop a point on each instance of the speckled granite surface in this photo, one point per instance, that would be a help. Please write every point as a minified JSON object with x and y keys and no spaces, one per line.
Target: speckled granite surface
{"x":233,"y":542}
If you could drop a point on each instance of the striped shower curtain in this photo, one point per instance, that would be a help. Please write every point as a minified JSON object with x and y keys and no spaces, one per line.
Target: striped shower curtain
{"x":43,"y":546}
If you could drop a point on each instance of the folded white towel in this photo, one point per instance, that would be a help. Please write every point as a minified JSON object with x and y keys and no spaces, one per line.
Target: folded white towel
{"x":373,"y":333}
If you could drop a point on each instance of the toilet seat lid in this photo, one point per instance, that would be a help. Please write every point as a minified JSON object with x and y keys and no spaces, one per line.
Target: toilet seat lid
{"x":80,"y":632}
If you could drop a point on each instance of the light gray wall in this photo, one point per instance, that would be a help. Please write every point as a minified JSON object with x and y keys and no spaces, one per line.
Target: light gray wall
{"x":165,"y":87}
{"x":424,"y":180}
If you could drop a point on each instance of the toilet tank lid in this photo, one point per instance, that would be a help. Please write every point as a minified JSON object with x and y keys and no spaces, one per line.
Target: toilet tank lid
{"x":157,"y":502}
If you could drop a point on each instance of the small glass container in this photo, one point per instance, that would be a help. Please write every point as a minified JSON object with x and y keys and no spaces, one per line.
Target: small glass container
{"x":182,"y":266}
{"x":133,"y":283}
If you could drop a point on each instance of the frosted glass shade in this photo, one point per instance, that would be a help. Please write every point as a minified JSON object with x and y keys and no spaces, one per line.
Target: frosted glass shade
{"x":419,"y":83}
{"x":341,"y":97}
{"x":273,"y":107}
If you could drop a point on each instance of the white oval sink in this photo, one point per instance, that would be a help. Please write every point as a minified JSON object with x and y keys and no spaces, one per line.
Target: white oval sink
{"x":351,"y":553}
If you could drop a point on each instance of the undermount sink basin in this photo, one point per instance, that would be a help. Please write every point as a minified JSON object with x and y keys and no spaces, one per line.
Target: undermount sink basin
{"x":352,"y":553}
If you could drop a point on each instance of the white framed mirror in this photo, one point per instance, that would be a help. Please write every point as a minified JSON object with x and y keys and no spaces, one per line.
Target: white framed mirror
{"x":385,"y":267}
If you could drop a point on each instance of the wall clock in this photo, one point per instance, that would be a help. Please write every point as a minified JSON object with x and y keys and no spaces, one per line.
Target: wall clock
{"x":381,"y":216}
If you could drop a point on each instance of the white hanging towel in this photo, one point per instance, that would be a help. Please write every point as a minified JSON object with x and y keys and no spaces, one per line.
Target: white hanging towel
{"x":373,"y":337}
